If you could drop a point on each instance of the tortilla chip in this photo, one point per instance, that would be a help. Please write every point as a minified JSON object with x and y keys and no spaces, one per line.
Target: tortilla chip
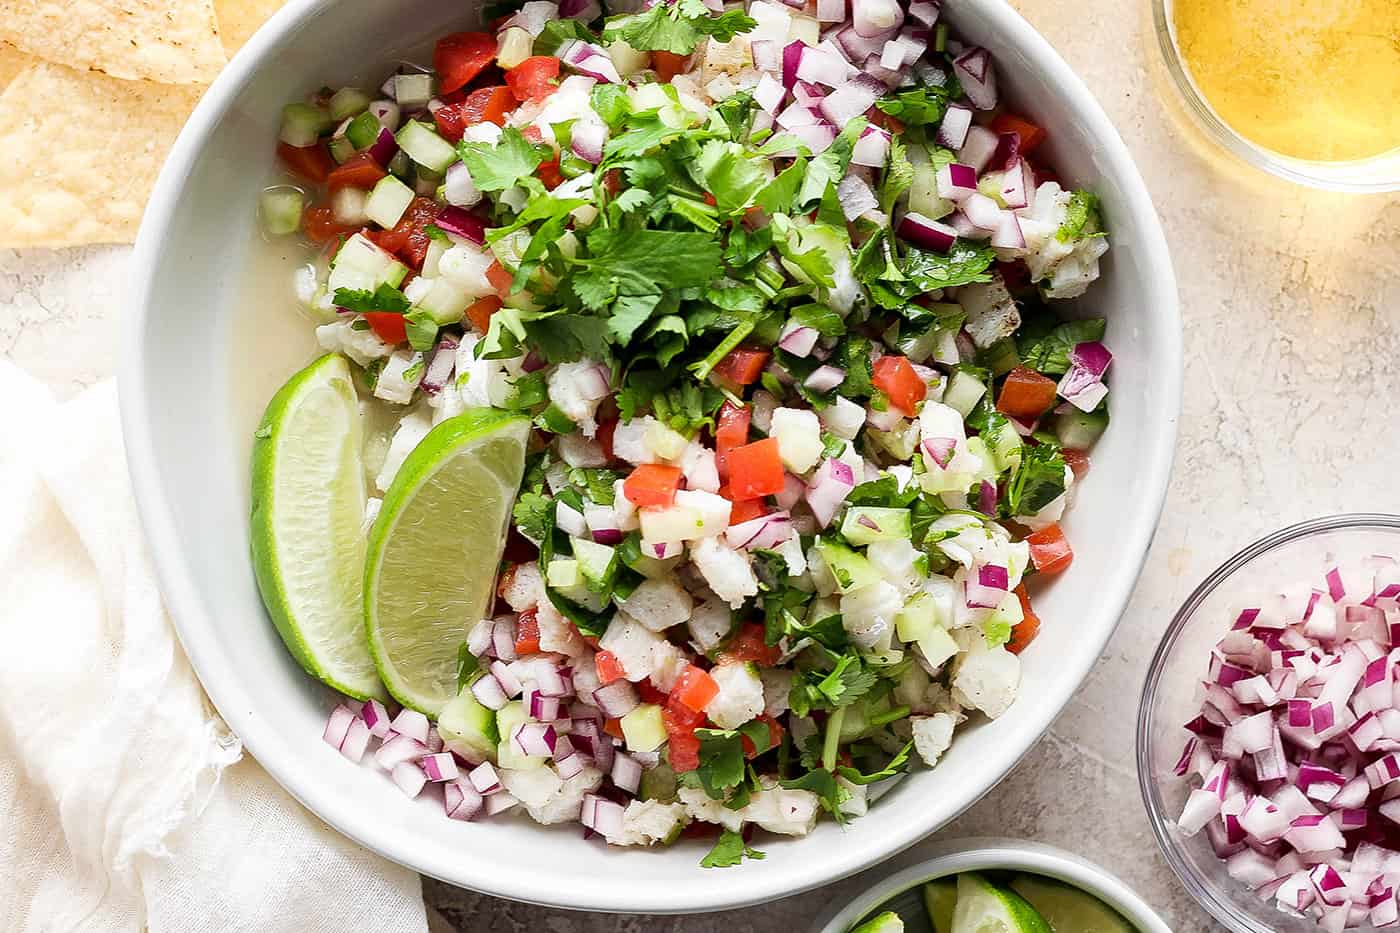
{"x":172,"y":41}
{"x":12,"y":62}
{"x":239,"y":19}
{"x":80,"y":167}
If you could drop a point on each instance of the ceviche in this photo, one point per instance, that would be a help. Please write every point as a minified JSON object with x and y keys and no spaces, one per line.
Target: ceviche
{"x":695,"y":405}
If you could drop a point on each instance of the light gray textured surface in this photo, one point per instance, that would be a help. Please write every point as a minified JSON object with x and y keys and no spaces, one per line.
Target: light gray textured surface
{"x":1291,"y":300}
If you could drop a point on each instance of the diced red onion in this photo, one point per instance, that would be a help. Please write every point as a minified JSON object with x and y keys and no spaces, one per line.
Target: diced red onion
{"x":924,"y":12}
{"x":792,"y":492}
{"x":616,"y":699}
{"x":626,"y":773}
{"x":792,"y":56}
{"x":853,"y":98}
{"x":920,"y":231}
{"x":977,"y":76}
{"x":872,"y":18}
{"x":480,"y":639}
{"x":1008,"y":233}
{"x":978,"y":147}
{"x":487,"y":691}
{"x":589,"y":59}
{"x":982,"y":211}
{"x":601,"y":815}
{"x":956,"y":182}
{"x":1018,"y":185}
{"x":384,"y":148}
{"x":439,"y":371}
{"x":796,"y":116}
{"x":411,"y":723}
{"x":798,"y":339}
{"x":505,"y":676}
{"x":439,"y":767}
{"x":953,"y":130}
{"x":460,"y":801}
{"x":399,"y":748}
{"x":376,"y":717}
{"x":484,"y":778}
{"x":823,"y":66}
{"x":570,"y":520}
{"x":831,"y":11}
{"x":356,"y":740}
{"x":499,"y":803}
{"x":337,"y":725}
{"x":825,"y":378}
{"x":763,"y":533}
{"x":587,"y":138}
{"x":831,"y":484}
{"x":585,"y":11}
{"x":535,"y":739}
{"x":987,"y":586}
{"x":817,"y":138}
{"x":409,"y":778}
{"x":770,"y":92}
{"x":873,"y":148}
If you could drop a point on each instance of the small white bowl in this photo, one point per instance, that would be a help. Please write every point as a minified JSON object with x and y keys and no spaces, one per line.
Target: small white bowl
{"x":985,"y":854}
{"x":213,"y":330}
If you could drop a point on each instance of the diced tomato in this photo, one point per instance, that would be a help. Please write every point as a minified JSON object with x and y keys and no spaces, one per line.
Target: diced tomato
{"x":684,"y":752}
{"x":653,"y":485}
{"x":1050,"y":550}
{"x":609,"y":668}
{"x":313,"y":163}
{"x":679,"y":717}
{"x":648,"y":693}
{"x":775,"y":735}
{"x":527,"y":632}
{"x":1031,"y":135}
{"x":1076,"y":460}
{"x":500,"y":279}
{"x":484,"y":105}
{"x":388,"y":326}
{"x":748,"y":645}
{"x":694,"y":688}
{"x":480,"y":311}
{"x":549,"y":174}
{"x":604,"y":437}
{"x":533,"y":134}
{"x":406,"y":239}
{"x":710,"y":199}
{"x":1024,"y":632}
{"x":359,"y":171}
{"x":1015,"y":274}
{"x":732,"y":431}
{"x":534,"y":79}
{"x":895,"y":376}
{"x":1026,"y":394}
{"x":885,"y":121}
{"x":613,"y":727}
{"x":742,"y":366}
{"x":755,"y":470}
{"x":320,"y":226}
{"x":460,"y":57}
{"x":746,"y":509}
{"x":668,"y":64}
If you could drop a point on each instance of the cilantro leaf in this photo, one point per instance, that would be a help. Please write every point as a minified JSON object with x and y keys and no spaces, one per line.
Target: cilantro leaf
{"x":420,"y":329}
{"x":597,"y":484}
{"x":644,"y":262}
{"x":883,"y":492}
{"x":1037,"y":481}
{"x":729,"y":176}
{"x":645,"y":131}
{"x":531,"y":514}
{"x":847,"y":682}
{"x":777,"y":196}
{"x":676,"y":28}
{"x":383,"y":298}
{"x":899,"y":175}
{"x":829,"y":167}
{"x":1050,"y":353}
{"x":630,"y":312}
{"x":497,"y":167}
{"x":467,"y":665}
{"x":896,"y":765}
{"x":962,"y":265}
{"x":822,"y":783}
{"x":1081,"y":217}
{"x":721,"y":761}
{"x":919,"y":106}
{"x":820,"y":318}
{"x":610,"y":102}
{"x":729,"y":850}
{"x":853,"y":355}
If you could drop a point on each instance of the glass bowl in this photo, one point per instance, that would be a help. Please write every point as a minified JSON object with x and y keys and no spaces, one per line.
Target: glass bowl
{"x":1376,"y":174}
{"x":1169,"y":697}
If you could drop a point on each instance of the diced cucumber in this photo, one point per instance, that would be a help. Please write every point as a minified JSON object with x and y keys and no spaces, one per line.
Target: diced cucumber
{"x":364,"y":266}
{"x":923,"y":190}
{"x":347,"y":102}
{"x":1078,"y":430}
{"x":663,"y":441}
{"x":937,"y":646}
{"x":644,"y":729}
{"x":920,"y":615}
{"x":857,"y":719}
{"x":867,"y":524}
{"x":597,"y":562}
{"x":978,"y":448}
{"x":507,"y":755}
{"x":1000,"y":357}
{"x":280,"y":209}
{"x":964,"y":392}
{"x":658,"y":783}
{"x":630,"y":552}
{"x":468,"y":728}
{"x":341,"y":148}
{"x":387,"y":201}
{"x":940,"y":897}
{"x":563,"y":573}
{"x":444,"y":302}
{"x":426,"y":147}
{"x":413,"y":91}
{"x":303,"y":124}
{"x":887,"y":922}
{"x":1004,"y":444}
{"x":851,"y":570}
{"x":435,"y":250}
{"x":990,"y":185}
{"x":363,"y":130}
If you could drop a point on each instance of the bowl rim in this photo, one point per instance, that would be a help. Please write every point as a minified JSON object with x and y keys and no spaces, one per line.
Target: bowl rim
{"x":194,"y":622}
{"x":984,"y":853}
{"x":1222,"y":910}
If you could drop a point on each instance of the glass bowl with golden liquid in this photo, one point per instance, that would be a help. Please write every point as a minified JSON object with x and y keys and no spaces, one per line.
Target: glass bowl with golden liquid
{"x":1306,"y":89}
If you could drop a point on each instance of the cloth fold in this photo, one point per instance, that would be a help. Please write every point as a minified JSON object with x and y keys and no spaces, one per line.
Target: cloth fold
{"x":126,"y":803}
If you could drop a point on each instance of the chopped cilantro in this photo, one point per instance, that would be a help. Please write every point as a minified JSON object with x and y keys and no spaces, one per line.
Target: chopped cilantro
{"x":1049,"y":352}
{"x":676,"y":27}
{"x":1081,"y":217}
{"x":919,"y":106}
{"x":729,"y":850}
{"x":497,"y":167}
{"x":467,"y":665}
{"x":1037,"y":481}
{"x":531,"y":514}
{"x":961,"y":265}
{"x":383,"y":298}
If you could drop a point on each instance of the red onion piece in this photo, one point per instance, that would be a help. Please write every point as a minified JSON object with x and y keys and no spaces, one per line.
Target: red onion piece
{"x":831,"y":484}
{"x":587,"y":139}
{"x":855,"y":197}
{"x":792,"y":56}
{"x":823,"y":66}
{"x":798,"y":339}
{"x":825,"y":378}
{"x":616,"y":699}
{"x":926,"y":234}
{"x":769,"y":93}
{"x":979,"y":145}
{"x":978,"y":79}
{"x":851,"y":99}
{"x":872,"y":18}
{"x":872,"y":149}
{"x":385,"y":147}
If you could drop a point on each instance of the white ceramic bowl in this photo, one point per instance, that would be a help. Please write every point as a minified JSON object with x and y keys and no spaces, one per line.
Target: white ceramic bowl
{"x":207,"y":342}
{"x":1009,"y":854}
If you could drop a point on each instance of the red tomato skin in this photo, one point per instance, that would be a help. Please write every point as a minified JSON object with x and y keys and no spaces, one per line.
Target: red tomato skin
{"x":533,"y":79}
{"x":388,"y":326}
{"x":460,"y":57}
{"x":755,"y":470}
{"x":312,"y":163}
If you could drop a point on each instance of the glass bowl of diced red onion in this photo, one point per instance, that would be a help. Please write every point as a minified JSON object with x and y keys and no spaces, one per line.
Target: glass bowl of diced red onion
{"x":1268,"y":744}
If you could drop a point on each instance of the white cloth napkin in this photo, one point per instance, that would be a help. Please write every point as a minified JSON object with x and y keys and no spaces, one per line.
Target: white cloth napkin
{"x":126,"y":804}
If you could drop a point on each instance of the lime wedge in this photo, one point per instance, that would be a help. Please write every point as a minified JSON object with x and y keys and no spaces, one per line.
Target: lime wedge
{"x":308,"y":503}
{"x":1068,"y":909}
{"x":434,"y":549}
{"x":887,"y":922}
{"x":984,"y":907}
{"x":940,"y":896}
